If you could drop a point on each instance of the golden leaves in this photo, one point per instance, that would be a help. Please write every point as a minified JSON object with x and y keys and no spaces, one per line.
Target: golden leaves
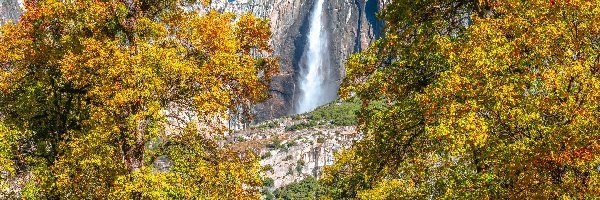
{"x":98,"y":79}
{"x":253,"y":33}
{"x":507,"y":104}
{"x":530,"y":79}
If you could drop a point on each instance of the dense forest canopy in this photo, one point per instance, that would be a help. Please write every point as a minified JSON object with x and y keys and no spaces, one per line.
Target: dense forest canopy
{"x":481,"y":99}
{"x":460,"y":99}
{"x":96,"y":94}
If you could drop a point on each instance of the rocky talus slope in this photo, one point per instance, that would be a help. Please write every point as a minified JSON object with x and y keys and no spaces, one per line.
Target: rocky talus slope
{"x":295,"y":147}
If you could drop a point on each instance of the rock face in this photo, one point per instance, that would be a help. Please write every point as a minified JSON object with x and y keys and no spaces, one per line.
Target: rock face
{"x":10,"y":10}
{"x":292,"y":154}
{"x":308,"y":152}
{"x":351,"y":26}
{"x":289,"y":155}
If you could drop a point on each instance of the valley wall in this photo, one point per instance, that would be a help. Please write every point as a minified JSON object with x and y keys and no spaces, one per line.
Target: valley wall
{"x":351,"y":26}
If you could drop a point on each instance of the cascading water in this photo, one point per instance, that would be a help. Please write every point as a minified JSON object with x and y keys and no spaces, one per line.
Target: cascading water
{"x":315,"y":69}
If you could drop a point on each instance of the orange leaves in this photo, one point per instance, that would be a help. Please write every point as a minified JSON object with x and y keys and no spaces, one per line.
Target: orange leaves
{"x":98,"y":78}
{"x":211,"y":32}
{"x":253,"y":33}
{"x":12,"y":53}
{"x":532,"y":80}
{"x":513,"y":96}
{"x":81,"y":67}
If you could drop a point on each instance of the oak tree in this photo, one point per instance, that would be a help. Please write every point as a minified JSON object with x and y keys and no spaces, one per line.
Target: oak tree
{"x":503,"y":106}
{"x":126,"y":99}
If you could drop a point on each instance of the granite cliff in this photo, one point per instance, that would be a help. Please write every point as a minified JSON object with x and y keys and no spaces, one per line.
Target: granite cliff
{"x":295,"y":147}
{"x":10,"y":10}
{"x":351,"y":26}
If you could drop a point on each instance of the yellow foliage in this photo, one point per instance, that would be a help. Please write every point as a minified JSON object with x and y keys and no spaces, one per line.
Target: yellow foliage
{"x":501,"y":104}
{"x":101,"y":87}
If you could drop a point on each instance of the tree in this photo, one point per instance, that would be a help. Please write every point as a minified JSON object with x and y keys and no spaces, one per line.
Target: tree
{"x":386,"y":78}
{"x":308,"y":188}
{"x":96,"y":94}
{"x":511,"y":111}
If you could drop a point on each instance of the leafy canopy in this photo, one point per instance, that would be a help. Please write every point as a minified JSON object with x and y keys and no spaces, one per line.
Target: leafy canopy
{"x":482,"y":99}
{"x":97,"y":95}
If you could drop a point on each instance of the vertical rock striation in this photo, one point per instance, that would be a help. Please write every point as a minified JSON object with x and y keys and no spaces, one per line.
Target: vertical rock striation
{"x":351,"y":25}
{"x":10,"y":10}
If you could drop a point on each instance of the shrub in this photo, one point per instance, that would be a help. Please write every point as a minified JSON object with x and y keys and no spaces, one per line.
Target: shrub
{"x":266,"y":155}
{"x":290,"y":171}
{"x":301,"y":125}
{"x":341,"y":114}
{"x":299,"y":168}
{"x":268,"y":168}
{"x":266,"y":125}
{"x":320,"y":140}
{"x":308,"y":188}
{"x":268,"y":182}
{"x":240,"y":139}
{"x":296,"y":117}
{"x":291,"y":144}
{"x":276,"y":144}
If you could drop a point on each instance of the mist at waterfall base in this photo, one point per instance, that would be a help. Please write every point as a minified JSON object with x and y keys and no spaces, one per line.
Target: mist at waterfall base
{"x":315,"y":72}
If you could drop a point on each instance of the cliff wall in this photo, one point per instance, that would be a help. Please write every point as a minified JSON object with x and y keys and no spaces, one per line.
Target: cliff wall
{"x":10,"y":10}
{"x":350,"y":24}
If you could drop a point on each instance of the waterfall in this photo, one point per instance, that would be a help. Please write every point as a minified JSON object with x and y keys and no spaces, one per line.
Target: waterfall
{"x":314,"y":72}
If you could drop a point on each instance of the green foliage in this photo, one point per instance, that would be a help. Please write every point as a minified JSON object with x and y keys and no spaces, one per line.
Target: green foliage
{"x":268,"y":182}
{"x":91,"y":92}
{"x":505,"y":108}
{"x":296,"y":117}
{"x":267,"y":168}
{"x":299,"y":168}
{"x":268,"y":195}
{"x":240,"y":139}
{"x":335,"y":113}
{"x":340,"y":114}
{"x":266,"y":125}
{"x":290,"y":171}
{"x":291,"y":144}
{"x":266,"y":155}
{"x":276,"y":144}
{"x":301,"y":126}
{"x":9,"y":144}
{"x":320,"y":140}
{"x":308,"y":188}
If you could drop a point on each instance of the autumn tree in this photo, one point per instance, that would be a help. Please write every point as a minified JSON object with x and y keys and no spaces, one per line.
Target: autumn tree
{"x":501,"y":105}
{"x":125,"y":99}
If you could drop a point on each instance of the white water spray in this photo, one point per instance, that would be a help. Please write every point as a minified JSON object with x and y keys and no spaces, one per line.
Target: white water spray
{"x":315,"y":71}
